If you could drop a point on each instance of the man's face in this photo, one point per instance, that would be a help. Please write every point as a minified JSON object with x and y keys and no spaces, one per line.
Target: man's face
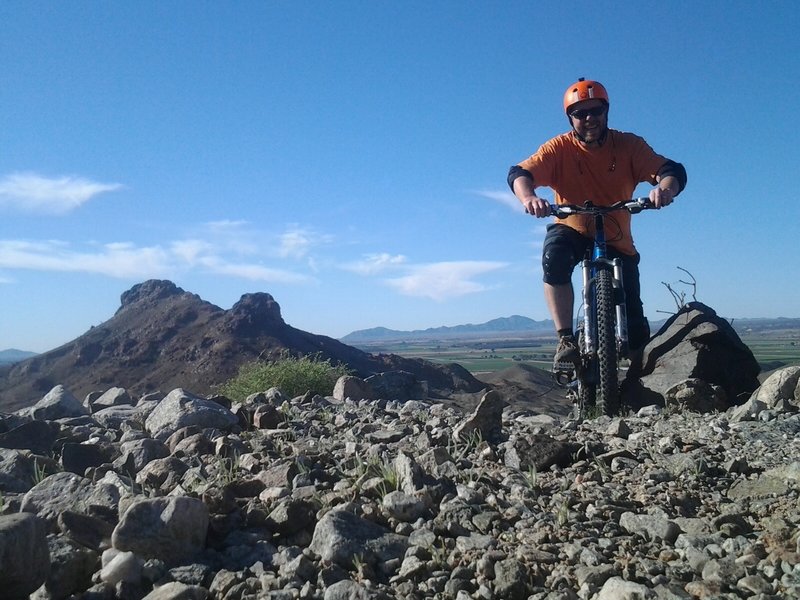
{"x":589,"y":126}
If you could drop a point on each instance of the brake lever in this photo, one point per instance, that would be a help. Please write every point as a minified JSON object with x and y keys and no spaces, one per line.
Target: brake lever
{"x":561,"y":211}
{"x":640,"y":205}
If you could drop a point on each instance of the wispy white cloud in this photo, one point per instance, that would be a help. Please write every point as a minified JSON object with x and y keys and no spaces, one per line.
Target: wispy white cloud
{"x":504,"y":197}
{"x":253,"y":272}
{"x":295,"y":243}
{"x":444,"y":280}
{"x":240,"y":237}
{"x":191,"y":251}
{"x":298,"y":242}
{"x":230,"y":248}
{"x":114,"y":260}
{"x":127,"y":261}
{"x":439,"y":281}
{"x":233,"y":236}
{"x":372,"y":264}
{"x":30,"y":192}
{"x":226,"y":225}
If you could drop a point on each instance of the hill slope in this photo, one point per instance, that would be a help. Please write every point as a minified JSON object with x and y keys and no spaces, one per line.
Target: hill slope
{"x":162,"y":337}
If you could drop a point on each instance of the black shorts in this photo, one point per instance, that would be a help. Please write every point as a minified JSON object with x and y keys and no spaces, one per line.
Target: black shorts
{"x":564,"y":248}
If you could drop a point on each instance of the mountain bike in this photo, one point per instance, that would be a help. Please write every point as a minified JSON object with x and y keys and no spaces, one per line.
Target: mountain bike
{"x":603,"y":335}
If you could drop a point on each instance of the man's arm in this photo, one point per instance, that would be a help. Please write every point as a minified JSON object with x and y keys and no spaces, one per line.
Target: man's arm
{"x":671,"y":178}
{"x":675,"y":174}
{"x":521,"y":183}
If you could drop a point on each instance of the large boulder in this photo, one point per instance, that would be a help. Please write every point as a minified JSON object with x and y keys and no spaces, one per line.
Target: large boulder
{"x":782,"y":386}
{"x":58,"y":403}
{"x":181,"y":409}
{"x":71,"y":568}
{"x":694,"y":343}
{"x":780,"y":393}
{"x":169,"y":529}
{"x":486,"y":419}
{"x":355,"y":388}
{"x":24,"y":556}
{"x":340,"y":535}
{"x":67,"y":491}
{"x":16,"y":471}
{"x":36,"y":436}
{"x":397,"y":385}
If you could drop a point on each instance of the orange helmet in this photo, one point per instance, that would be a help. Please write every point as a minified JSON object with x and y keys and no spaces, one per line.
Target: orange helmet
{"x":584,"y":90}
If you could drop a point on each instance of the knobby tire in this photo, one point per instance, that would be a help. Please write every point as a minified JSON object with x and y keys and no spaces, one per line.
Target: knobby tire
{"x":607,"y":391}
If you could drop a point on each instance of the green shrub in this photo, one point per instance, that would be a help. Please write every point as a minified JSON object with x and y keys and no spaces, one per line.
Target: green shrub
{"x":292,"y":375}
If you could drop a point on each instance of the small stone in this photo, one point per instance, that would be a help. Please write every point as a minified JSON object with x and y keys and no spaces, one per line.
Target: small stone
{"x":754,"y":584}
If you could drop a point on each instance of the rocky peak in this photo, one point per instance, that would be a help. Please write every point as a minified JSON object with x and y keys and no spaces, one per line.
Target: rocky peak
{"x":255,"y":313}
{"x":151,"y":290}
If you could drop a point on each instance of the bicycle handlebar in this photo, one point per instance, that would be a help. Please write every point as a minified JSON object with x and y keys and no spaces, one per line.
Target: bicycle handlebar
{"x":633,"y":206}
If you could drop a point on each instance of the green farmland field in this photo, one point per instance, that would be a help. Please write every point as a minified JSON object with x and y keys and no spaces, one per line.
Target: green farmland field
{"x":772,"y":351}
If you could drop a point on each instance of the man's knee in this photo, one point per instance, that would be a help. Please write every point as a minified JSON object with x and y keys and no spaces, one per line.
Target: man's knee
{"x":562,"y":248}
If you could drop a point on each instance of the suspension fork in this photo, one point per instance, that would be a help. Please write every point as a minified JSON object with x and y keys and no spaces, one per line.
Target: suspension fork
{"x":619,"y":300}
{"x":589,"y":325}
{"x":589,"y":268}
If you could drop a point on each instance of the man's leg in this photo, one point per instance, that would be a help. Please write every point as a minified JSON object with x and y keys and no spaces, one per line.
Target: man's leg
{"x":638,"y":327}
{"x":563,"y":247}
{"x":560,"y":302}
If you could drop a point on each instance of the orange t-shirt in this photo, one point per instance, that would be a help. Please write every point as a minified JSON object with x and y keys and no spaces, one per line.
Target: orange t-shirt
{"x":603,"y":175}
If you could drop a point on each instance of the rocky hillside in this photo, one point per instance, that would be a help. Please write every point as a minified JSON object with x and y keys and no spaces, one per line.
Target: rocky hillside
{"x":163,"y":337}
{"x":345,"y":497}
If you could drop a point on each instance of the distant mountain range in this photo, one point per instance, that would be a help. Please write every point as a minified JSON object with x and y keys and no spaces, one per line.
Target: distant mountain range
{"x":514,"y":324}
{"x":12,"y":355}
{"x":517,"y":325}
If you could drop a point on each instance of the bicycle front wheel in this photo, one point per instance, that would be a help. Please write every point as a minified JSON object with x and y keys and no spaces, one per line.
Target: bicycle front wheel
{"x":607,"y":393}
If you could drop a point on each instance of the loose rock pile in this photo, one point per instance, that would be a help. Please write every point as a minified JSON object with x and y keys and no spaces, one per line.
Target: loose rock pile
{"x":337,"y":497}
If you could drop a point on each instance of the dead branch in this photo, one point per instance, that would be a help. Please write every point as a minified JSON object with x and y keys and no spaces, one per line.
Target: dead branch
{"x":679,"y":296}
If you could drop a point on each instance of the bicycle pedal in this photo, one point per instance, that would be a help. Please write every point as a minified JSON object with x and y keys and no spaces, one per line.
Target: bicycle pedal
{"x":567,"y":376}
{"x":566,"y":366}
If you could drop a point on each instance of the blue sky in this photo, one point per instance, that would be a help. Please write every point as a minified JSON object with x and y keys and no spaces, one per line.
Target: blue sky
{"x":350,"y":158}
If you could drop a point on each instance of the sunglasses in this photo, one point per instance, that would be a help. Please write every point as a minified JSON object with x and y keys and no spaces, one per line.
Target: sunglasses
{"x":582,"y":113}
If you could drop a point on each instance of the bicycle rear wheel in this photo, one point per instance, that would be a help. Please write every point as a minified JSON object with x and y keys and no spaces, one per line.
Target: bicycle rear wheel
{"x":607,"y":392}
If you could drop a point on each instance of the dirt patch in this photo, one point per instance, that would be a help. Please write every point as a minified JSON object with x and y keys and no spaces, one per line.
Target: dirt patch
{"x":525,"y":387}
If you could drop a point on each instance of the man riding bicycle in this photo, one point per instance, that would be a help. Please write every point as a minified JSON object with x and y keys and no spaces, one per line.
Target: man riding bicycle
{"x":591,"y":162}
